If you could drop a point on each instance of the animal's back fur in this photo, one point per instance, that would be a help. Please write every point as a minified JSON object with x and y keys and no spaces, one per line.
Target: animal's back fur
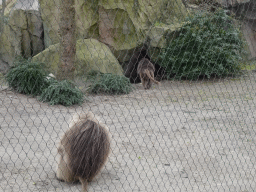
{"x":146,"y":72}
{"x":145,"y":64}
{"x":87,"y":144}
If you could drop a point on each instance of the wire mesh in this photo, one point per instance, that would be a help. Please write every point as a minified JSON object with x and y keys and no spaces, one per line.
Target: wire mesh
{"x":182,"y":135}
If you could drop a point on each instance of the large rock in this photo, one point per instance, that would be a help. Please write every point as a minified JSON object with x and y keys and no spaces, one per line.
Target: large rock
{"x":249,"y":31}
{"x":22,"y":36}
{"x":90,"y":55}
{"x":125,"y":25}
{"x":86,"y":19}
{"x":159,"y":33}
{"x":11,"y":37}
{"x":246,"y":10}
{"x":35,"y":30}
{"x":122,"y":25}
{"x":49,"y":11}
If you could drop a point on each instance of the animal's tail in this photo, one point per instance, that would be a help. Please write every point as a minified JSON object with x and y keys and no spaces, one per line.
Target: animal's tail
{"x":151,"y":77}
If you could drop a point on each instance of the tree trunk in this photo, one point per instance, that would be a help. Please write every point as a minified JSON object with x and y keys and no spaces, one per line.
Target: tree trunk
{"x":67,"y":52}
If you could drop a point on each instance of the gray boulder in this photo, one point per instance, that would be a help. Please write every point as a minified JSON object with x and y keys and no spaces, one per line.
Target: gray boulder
{"x":22,"y":36}
{"x":246,"y":11}
{"x":90,"y":55}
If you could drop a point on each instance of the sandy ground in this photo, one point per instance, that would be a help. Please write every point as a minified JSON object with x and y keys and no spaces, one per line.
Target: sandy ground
{"x":182,"y":136}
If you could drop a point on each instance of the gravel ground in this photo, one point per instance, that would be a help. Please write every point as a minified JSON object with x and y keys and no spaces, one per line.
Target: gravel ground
{"x":180,"y":136}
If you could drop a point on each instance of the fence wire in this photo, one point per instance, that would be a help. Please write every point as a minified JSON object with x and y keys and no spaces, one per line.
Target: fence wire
{"x":192,"y":132}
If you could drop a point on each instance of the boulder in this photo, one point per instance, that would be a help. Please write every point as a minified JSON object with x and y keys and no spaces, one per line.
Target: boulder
{"x":86,"y":20}
{"x":126,"y":25}
{"x":249,"y":31}
{"x":35,"y":30}
{"x":22,"y":36}
{"x":122,"y":25}
{"x":11,"y":37}
{"x":49,"y":11}
{"x":158,"y":36}
{"x":90,"y":55}
{"x":246,"y":10}
{"x":160,"y":32}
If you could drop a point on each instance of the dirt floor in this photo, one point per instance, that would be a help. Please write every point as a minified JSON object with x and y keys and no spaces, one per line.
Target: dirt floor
{"x":181,"y":136}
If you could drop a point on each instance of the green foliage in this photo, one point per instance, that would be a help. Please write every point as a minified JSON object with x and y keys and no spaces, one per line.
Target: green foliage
{"x":94,"y":75}
{"x":208,"y":44}
{"x":31,"y":78}
{"x":27,"y":77}
{"x":63,"y":92}
{"x":109,"y":83}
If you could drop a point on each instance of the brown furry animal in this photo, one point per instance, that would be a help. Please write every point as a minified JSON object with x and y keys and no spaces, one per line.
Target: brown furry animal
{"x":146,"y":71}
{"x":83,"y":150}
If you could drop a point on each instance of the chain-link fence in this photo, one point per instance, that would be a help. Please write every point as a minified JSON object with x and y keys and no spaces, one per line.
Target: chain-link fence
{"x":194,"y":131}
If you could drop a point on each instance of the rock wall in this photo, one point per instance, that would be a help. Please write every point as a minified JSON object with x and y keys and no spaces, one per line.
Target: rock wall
{"x":123,"y":25}
{"x":22,"y":36}
{"x":126,"y":25}
{"x":245,"y":10}
{"x":86,"y":20}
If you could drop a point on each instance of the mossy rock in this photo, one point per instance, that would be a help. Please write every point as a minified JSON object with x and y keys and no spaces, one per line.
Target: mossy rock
{"x":86,"y":19}
{"x":90,"y":55}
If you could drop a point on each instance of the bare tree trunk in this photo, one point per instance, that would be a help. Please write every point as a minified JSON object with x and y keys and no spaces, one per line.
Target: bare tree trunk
{"x":66,"y":65}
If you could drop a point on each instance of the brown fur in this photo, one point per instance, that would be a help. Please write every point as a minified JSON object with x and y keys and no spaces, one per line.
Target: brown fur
{"x":131,"y":68}
{"x":83,"y":150}
{"x":146,"y":72}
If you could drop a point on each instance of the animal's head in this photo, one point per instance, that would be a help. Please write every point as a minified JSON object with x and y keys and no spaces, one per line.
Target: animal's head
{"x":63,"y":171}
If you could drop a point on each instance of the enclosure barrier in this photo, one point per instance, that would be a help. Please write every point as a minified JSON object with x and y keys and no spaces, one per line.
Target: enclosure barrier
{"x":172,"y":82}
